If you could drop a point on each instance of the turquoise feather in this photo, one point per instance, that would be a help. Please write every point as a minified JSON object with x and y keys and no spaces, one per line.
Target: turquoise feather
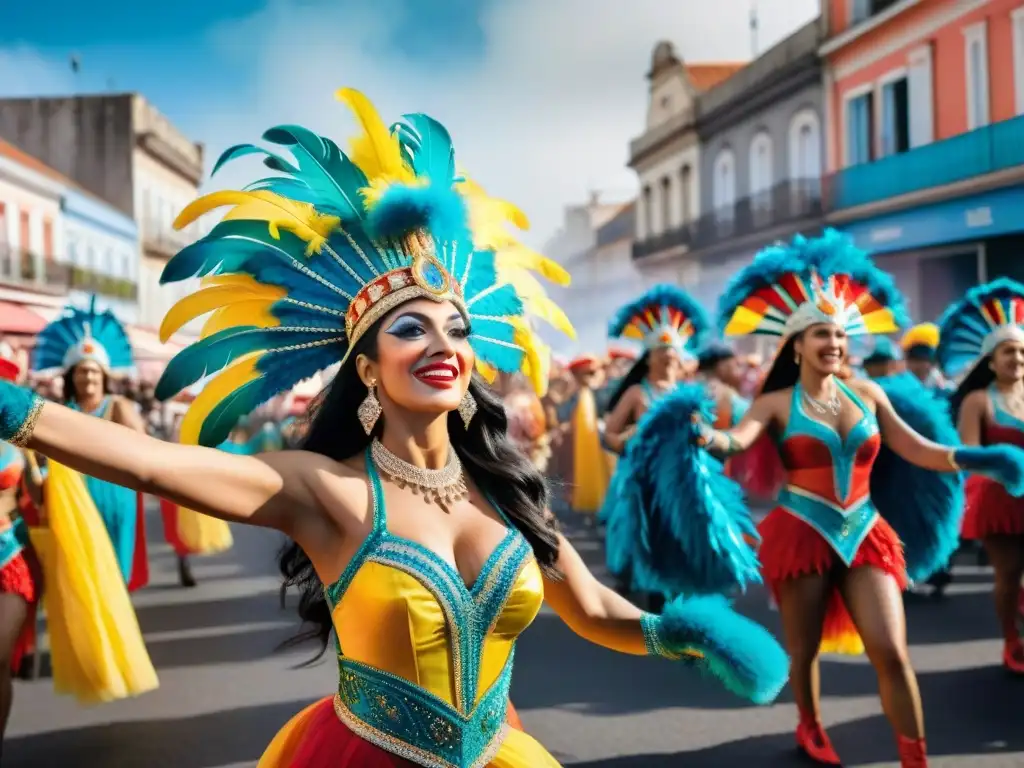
{"x":429,"y":147}
{"x":963,"y":327}
{"x":57,"y":338}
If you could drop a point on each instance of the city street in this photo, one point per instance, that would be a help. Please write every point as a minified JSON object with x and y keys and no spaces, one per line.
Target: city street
{"x":224,"y":691}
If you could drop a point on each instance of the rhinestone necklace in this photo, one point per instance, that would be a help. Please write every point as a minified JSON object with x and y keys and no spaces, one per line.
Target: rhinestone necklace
{"x":442,"y":486}
{"x":833,"y":405}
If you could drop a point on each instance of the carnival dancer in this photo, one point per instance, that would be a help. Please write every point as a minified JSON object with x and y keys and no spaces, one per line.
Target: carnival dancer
{"x":834,"y":563}
{"x":982,"y":338}
{"x":403,"y":272}
{"x":20,"y":577}
{"x":672,"y":327}
{"x":89,"y":348}
{"x":617,"y":364}
{"x":885,"y":359}
{"x":591,"y":467}
{"x":920,"y":346}
{"x":721,"y":369}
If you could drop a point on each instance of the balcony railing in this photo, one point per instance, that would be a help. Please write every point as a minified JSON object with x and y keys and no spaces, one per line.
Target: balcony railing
{"x":787,"y":202}
{"x":32,"y":271}
{"x":994,"y":148}
{"x":680,"y":236}
{"x":113,"y":287}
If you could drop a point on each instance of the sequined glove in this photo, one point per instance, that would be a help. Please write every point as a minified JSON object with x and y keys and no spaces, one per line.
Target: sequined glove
{"x":1002,"y":463}
{"x":741,"y":653}
{"x":19,"y":411}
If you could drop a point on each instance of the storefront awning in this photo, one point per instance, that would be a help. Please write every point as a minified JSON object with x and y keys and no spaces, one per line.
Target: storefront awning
{"x":15,"y":318}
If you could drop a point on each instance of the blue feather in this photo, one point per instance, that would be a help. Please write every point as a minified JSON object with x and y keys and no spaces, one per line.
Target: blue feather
{"x":57,"y":338}
{"x":686,"y":518}
{"x":243,"y":150}
{"x":665,"y":295}
{"x":404,"y":209}
{"x":219,"y":350}
{"x":1001,"y":463}
{"x":963,"y":327}
{"x":741,"y":653}
{"x":429,"y":146}
{"x":924,"y":507}
{"x":834,"y":253}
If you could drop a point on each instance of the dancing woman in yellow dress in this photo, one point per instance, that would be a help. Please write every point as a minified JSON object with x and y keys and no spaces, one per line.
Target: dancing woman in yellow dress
{"x":421,"y":537}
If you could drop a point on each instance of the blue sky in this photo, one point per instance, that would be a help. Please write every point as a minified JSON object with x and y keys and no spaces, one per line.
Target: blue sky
{"x":541,"y":96}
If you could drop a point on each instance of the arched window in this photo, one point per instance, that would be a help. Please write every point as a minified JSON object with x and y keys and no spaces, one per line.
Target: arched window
{"x":724,"y":184}
{"x":666,"y":205}
{"x":805,"y":160}
{"x":761,"y":171}
{"x":685,"y":180}
{"x":648,"y":214}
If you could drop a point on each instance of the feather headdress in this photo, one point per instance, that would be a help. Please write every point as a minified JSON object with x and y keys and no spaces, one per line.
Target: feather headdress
{"x":79,"y":335}
{"x":973,"y":327}
{"x":664,"y":316}
{"x":788,"y":288}
{"x":921,"y":341}
{"x":306,"y":261}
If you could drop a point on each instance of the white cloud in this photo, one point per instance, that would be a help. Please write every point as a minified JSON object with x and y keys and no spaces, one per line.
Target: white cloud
{"x":542,"y":118}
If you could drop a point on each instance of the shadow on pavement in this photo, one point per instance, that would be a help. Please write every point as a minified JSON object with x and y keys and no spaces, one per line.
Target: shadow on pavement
{"x":224,"y":612}
{"x":209,"y":740}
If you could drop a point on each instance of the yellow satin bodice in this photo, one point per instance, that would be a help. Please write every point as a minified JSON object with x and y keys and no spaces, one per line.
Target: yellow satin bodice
{"x":388,"y":619}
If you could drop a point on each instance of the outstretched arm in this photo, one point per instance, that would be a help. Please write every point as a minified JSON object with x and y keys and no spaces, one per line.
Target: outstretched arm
{"x":728,"y":442}
{"x":592,"y":610}
{"x":904,"y":441}
{"x":271,"y":490}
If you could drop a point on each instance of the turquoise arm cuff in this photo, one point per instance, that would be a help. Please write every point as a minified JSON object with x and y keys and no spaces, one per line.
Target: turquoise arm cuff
{"x":652,"y":629}
{"x":19,"y":412}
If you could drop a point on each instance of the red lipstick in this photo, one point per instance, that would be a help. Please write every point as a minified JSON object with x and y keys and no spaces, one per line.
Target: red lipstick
{"x":438,"y":375}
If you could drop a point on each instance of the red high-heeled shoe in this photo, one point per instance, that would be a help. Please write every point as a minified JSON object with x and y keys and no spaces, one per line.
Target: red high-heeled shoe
{"x":1013,"y":657}
{"x":912,"y":753}
{"x":812,"y":740}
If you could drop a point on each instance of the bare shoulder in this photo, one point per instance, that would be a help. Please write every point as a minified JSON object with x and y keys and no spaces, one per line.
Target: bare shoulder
{"x":775,"y":402}
{"x":341,"y":488}
{"x":976,"y":402}
{"x":867,"y":389}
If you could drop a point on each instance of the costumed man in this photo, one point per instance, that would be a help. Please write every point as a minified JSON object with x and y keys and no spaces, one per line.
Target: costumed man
{"x":884,"y":360}
{"x":672,"y":326}
{"x":982,"y":340}
{"x":591,"y":468}
{"x":920,"y":345}
{"x":90,"y":348}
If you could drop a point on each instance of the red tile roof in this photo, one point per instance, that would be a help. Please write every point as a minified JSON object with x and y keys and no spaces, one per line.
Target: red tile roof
{"x":706,"y":76}
{"x":13,"y":153}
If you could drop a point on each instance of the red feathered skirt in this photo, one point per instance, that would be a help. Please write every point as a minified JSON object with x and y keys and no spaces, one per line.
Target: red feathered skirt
{"x":791,"y":548}
{"x":990,"y":510}
{"x":18,"y":578}
{"x":316,"y":738}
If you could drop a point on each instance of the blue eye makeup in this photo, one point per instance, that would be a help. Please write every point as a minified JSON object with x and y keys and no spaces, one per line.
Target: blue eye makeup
{"x":405,"y":327}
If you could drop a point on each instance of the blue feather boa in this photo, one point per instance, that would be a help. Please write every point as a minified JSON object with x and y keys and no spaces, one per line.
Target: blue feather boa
{"x":741,"y":653}
{"x":1002,"y":463}
{"x":924,"y":507}
{"x":678,"y":521}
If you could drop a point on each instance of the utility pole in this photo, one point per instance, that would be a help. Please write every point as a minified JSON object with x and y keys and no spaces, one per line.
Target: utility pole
{"x":753,"y":29}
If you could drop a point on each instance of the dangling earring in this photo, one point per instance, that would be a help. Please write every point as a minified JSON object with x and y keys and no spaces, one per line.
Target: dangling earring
{"x":369,"y":410}
{"x":467,"y":409}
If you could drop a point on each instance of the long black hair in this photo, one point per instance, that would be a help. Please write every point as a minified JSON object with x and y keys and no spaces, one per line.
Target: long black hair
{"x":70,"y":394}
{"x":498,"y":468}
{"x":784,"y":371}
{"x":981,"y":376}
{"x":635,"y":376}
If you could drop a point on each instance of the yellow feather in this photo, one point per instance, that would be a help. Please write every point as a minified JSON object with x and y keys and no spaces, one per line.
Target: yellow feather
{"x":235,"y":278}
{"x":279,"y":213}
{"x":535,"y":300}
{"x":489,"y":372}
{"x":925,"y":334}
{"x":214,"y":297}
{"x":521,"y":257}
{"x":255,"y":312}
{"x":216,"y":389}
{"x":377,"y":151}
{"x":537,"y":357}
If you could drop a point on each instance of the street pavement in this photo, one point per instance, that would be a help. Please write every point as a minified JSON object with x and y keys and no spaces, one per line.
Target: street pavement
{"x":224,"y":690}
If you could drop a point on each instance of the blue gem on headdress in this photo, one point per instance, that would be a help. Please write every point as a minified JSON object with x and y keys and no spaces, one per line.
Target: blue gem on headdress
{"x":433,"y":277}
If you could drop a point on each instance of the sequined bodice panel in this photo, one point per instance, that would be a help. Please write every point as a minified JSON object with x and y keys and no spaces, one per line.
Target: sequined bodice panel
{"x":821,"y":463}
{"x":402,"y":610}
{"x":1004,"y":427}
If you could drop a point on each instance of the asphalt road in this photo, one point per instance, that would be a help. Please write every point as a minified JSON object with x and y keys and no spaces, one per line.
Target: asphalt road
{"x":224,"y":690}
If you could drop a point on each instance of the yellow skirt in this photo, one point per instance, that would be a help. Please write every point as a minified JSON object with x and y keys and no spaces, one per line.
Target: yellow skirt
{"x":96,"y":645}
{"x":203,"y":534}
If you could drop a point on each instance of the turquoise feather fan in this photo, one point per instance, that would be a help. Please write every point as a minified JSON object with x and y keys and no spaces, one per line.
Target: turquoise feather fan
{"x":71,"y":333}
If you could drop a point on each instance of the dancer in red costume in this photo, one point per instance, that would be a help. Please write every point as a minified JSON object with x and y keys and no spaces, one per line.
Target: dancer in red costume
{"x":984,"y":335}
{"x":835,"y":566}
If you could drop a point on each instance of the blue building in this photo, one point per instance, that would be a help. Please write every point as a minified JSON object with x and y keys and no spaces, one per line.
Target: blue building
{"x":101,"y":247}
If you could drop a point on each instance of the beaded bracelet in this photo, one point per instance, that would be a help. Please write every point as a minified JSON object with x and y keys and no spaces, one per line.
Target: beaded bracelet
{"x":19,"y":412}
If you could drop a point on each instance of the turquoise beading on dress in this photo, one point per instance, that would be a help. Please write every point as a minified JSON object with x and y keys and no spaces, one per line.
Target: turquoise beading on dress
{"x":400,"y":716}
{"x":846,"y":524}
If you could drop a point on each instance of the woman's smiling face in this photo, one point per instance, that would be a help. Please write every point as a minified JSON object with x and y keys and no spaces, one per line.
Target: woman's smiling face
{"x":424,"y":359}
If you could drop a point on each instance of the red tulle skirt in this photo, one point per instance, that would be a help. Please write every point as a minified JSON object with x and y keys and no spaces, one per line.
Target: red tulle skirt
{"x":791,"y":548}
{"x":17,"y":578}
{"x":169,"y":514}
{"x":990,"y":510}
{"x":316,"y":738}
